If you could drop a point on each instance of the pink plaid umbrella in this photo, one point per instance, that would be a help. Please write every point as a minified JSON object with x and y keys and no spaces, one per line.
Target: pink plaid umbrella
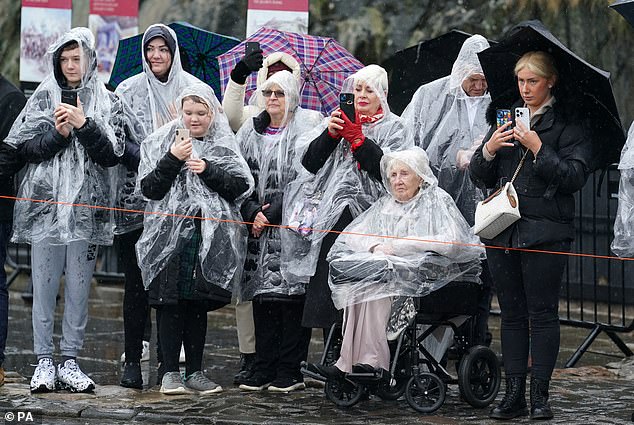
{"x":324,"y":64}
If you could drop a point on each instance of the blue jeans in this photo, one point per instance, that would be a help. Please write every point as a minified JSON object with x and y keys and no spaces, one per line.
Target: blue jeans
{"x":5,"y":232}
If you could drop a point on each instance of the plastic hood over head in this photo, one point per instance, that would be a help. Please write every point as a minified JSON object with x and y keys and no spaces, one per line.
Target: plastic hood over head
{"x":374,"y":76}
{"x":467,"y":62}
{"x":221,"y":253}
{"x":288,"y":84}
{"x":415,"y":158}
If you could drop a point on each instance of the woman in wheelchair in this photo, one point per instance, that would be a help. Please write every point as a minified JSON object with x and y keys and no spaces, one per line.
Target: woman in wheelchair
{"x":409,"y":243}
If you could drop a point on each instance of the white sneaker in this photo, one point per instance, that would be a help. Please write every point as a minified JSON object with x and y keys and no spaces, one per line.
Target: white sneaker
{"x":145,"y":353}
{"x":43,"y":379}
{"x":70,"y":377}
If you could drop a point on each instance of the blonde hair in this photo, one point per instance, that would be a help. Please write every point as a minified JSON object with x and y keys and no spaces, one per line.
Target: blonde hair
{"x":538,"y":62}
{"x":196,"y":99}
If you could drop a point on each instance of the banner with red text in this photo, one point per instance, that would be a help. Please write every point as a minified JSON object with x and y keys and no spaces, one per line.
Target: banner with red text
{"x":42,"y":22}
{"x":283,"y":15}
{"x":110,"y":21}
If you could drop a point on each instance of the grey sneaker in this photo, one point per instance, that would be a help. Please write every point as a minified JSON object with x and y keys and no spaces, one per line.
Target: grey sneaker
{"x":172,"y":384}
{"x":197,"y":381}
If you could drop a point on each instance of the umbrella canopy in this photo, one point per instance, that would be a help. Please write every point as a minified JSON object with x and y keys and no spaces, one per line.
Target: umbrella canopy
{"x":588,"y":85}
{"x":410,"y":68}
{"x":198,"y":48}
{"x":625,"y":8}
{"x":324,"y":65}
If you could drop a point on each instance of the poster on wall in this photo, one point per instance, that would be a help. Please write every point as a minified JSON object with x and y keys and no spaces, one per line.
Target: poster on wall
{"x":42,"y":22}
{"x":283,"y":15}
{"x":110,"y":21}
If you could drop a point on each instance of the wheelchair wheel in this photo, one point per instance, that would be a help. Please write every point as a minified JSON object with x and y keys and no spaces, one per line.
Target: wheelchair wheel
{"x":343,"y":393}
{"x":425,"y":392}
{"x":479,"y":376}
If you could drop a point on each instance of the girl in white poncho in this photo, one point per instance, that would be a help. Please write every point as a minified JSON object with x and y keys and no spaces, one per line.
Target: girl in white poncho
{"x":192,"y":247}
{"x":409,"y":243}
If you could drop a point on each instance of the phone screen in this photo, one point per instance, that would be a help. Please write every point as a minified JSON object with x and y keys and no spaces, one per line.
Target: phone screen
{"x":346,"y":104}
{"x":69,"y":97}
{"x":503,"y":116}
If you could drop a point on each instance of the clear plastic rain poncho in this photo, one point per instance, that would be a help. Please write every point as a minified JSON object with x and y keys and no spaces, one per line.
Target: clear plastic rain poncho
{"x":70,"y":177}
{"x":450,"y":125}
{"x":273,"y":160}
{"x":315,"y":202}
{"x":431,"y":243}
{"x":153,"y":104}
{"x":623,"y":243}
{"x":169,"y":223}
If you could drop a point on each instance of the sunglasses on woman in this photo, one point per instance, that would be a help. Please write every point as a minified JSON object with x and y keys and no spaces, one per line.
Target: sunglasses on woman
{"x":268,"y":93}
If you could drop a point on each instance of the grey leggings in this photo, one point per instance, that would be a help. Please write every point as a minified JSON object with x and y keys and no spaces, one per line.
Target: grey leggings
{"x":77,"y":261}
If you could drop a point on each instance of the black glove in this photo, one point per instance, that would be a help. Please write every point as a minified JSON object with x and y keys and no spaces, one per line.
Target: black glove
{"x":248,"y":64}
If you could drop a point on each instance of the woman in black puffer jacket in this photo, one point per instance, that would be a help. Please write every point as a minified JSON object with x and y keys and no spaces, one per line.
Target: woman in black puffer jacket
{"x":556,"y":165}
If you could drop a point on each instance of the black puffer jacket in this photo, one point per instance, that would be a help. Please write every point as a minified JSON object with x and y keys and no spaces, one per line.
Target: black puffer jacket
{"x":546,"y":184}
{"x":164,"y":288}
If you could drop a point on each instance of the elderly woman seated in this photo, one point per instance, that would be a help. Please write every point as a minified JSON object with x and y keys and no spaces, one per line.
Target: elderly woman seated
{"x":409,"y":243}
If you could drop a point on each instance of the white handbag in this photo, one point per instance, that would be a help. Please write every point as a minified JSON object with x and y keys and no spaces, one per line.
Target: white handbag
{"x":499,"y":210}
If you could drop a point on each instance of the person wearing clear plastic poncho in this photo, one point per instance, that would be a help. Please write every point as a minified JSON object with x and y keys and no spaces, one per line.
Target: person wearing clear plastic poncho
{"x":409,"y":243}
{"x":340,"y":178}
{"x":191,"y":251}
{"x":268,"y":142}
{"x":68,"y":149}
{"x":623,"y":243}
{"x":151,"y":97}
{"x":446,"y":117}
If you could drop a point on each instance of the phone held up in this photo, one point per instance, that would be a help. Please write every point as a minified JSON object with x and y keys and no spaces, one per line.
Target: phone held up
{"x":346,"y":104}
{"x":250,"y":47}
{"x":69,"y":97}
{"x":182,"y":134}
{"x":502,"y":117}
{"x":523,"y":115}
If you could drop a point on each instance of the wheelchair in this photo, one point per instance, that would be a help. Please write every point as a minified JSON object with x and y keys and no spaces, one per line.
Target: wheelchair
{"x":414,"y":372}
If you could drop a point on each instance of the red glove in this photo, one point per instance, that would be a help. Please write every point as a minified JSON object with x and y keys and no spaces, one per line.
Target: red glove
{"x":352,"y":132}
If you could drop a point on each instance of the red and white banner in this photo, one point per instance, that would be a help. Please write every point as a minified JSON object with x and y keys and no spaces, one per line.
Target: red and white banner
{"x":284,"y":15}
{"x":110,"y":21}
{"x":42,"y":22}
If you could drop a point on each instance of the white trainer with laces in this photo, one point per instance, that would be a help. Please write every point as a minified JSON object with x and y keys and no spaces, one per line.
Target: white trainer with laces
{"x":70,"y":377}
{"x":43,"y":379}
{"x":145,"y":353}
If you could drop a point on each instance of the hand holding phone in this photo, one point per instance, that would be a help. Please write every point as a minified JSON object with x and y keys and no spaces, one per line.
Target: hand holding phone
{"x":503,"y":116}
{"x":182,"y":146}
{"x":346,"y":104}
{"x":253,"y":55}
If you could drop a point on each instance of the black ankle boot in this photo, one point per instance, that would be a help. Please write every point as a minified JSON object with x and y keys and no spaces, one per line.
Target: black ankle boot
{"x":131,"y":377}
{"x":246,"y":368}
{"x":514,"y":402}
{"x":539,"y":399}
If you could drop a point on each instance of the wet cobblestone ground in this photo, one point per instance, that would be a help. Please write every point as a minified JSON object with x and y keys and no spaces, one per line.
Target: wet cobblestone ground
{"x":591,"y":393}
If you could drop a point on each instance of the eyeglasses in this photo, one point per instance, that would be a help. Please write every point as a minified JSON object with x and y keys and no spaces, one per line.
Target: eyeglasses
{"x":268,"y":93}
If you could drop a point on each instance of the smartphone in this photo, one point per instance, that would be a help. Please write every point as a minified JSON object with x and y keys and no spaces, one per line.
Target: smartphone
{"x":250,"y":47}
{"x":69,"y":97}
{"x":523,"y":115}
{"x":182,"y":134}
{"x":346,"y":104}
{"x":502,"y":116}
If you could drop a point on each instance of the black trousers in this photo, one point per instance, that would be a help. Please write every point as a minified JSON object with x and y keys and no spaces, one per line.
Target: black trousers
{"x":137,"y":323}
{"x":527,"y":286}
{"x":281,"y":342}
{"x":184,"y":324}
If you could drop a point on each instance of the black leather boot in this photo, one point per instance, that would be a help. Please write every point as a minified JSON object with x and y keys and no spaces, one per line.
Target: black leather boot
{"x":514,"y":401}
{"x":131,"y":377}
{"x":246,"y":368}
{"x":539,"y":399}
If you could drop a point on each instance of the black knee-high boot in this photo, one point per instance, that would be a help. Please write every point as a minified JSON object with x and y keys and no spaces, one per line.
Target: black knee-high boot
{"x":539,"y":399}
{"x":514,"y":402}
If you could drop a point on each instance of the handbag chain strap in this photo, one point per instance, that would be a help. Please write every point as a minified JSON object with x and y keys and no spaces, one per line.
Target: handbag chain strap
{"x":517,"y":171}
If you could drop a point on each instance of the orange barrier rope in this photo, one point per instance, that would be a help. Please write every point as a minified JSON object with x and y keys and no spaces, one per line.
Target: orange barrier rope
{"x":570,"y":254}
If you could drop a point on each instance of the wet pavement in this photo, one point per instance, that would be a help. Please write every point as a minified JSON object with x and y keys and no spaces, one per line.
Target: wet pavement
{"x":590,"y":393}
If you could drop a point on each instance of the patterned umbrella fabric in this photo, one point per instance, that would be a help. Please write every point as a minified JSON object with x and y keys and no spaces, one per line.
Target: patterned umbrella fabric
{"x":324,"y":64}
{"x":198,"y":49}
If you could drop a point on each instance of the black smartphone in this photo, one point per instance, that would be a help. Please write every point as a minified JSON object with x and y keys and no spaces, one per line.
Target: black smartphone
{"x":250,"y":47}
{"x":346,"y":104}
{"x":69,"y":97}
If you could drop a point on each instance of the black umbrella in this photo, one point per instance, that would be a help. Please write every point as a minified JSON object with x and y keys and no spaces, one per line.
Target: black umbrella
{"x":588,"y":85}
{"x":410,"y":68}
{"x":625,"y":8}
